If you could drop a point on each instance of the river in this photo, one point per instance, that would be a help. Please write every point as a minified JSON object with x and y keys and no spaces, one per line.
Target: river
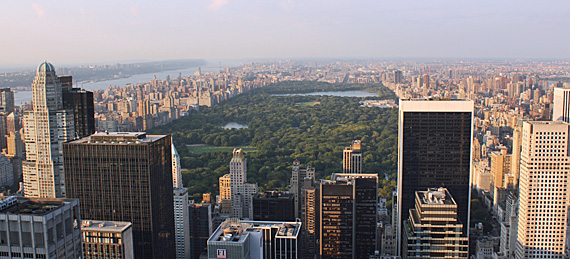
{"x":21,"y":97}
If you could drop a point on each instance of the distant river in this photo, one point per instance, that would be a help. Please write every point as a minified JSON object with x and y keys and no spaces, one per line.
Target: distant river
{"x":21,"y":97}
{"x":339,"y":94}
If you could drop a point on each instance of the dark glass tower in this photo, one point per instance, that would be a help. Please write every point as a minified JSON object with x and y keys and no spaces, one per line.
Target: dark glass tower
{"x":126,"y":177}
{"x":434,"y":151}
{"x":347,"y":216}
{"x":81,"y":103}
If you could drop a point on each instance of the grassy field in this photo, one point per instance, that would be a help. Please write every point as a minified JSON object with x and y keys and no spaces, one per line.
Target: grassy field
{"x":305,"y":104}
{"x":202,"y":149}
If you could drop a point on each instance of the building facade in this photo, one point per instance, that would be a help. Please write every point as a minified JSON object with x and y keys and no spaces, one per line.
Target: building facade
{"x":544,"y":192}
{"x":347,"y":216}
{"x":39,"y":228}
{"x":434,"y":149}
{"x":126,"y":176}
{"x":181,"y":223}
{"x":46,"y":127}
{"x":274,"y":206}
{"x":301,"y":177}
{"x":200,"y":228}
{"x":176,"y":169}
{"x":352,"y":158}
{"x":241,"y":191}
{"x":107,"y":239}
{"x":80,"y":102}
{"x":255,"y":239}
{"x":561,"y":107}
{"x":432,"y":230}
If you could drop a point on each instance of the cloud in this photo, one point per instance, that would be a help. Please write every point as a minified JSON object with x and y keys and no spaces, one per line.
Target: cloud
{"x":40,"y":12}
{"x":217,"y":4}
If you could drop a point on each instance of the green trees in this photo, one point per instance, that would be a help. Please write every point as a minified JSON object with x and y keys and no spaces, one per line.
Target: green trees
{"x":283,"y":131}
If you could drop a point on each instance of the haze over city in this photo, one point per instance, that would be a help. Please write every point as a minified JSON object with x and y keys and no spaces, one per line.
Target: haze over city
{"x":71,"y":32}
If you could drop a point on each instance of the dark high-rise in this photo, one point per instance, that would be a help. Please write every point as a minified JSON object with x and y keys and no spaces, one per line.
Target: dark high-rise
{"x":126,"y":177}
{"x":200,"y":228}
{"x":434,"y":150}
{"x":6,"y":100}
{"x":347,"y":216}
{"x":274,"y":206}
{"x":81,"y":103}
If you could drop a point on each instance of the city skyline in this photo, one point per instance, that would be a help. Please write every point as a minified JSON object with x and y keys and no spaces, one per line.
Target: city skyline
{"x":223,"y":29}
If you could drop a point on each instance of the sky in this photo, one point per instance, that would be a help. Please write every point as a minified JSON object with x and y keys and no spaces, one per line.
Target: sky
{"x":79,"y":32}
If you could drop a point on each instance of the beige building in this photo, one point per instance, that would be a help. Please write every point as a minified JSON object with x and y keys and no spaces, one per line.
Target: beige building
{"x":225,"y":197}
{"x":46,"y":127}
{"x":107,"y":239}
{"x":544,"y":192}
{"x":352,"y":158}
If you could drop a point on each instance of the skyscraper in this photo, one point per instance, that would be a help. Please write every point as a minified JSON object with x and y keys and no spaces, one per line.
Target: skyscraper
{"x":561,"y":110}
{"x":347,"y":216}
{"x":46,"y":127}
{"x":241,"y":191}
{"x":544,"y":192}
{"x":176,"y":169}
{"x":200,"y":227}
{"x":181,"y":223}
{"x":432,"y":231}
{"x":6,"y":100}
{"x":301,"y":177}
{"x":434,"y":149}
{"x":80,"y":102}
{"x":352,"y":158}
{"x":126,"y":176}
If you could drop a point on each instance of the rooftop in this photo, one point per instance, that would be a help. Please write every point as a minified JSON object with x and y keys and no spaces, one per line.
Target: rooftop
{"x":104,"y":226}
{"x":118,"y":138}
{"x":234,"y":230}
{"x":436,"y":196}
{"x":274,"y":194}
{"x":30,"y":206}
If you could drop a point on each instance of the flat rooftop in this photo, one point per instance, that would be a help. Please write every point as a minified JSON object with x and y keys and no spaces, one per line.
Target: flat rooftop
{"x":274,"y":195}
{"x":237,"y":231}
{"x":104,"y":226}
{"x":436,"y":196}
{"x":118,"y":138}
{"x":32,"y":206}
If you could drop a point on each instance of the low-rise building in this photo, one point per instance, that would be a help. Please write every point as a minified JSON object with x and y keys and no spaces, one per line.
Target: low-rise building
{"x":107,"y":239}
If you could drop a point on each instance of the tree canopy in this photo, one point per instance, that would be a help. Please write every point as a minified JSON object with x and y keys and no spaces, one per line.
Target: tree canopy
{"x":311,"y":129}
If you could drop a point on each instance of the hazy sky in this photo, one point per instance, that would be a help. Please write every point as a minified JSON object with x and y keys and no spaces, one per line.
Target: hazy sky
{"x":68,"y":31}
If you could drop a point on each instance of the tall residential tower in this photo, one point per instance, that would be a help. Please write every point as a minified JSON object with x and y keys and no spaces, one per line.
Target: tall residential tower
{"x":46,"y":127}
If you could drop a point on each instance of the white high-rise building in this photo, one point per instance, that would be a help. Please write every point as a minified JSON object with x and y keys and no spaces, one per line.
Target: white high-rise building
{"x":544,"y":192}
{"x":176,"y":169}
{"x":561,"y":110}
{"x":241,"y":191}
{"x":181,"y":223}
{"x":46,"y":127}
